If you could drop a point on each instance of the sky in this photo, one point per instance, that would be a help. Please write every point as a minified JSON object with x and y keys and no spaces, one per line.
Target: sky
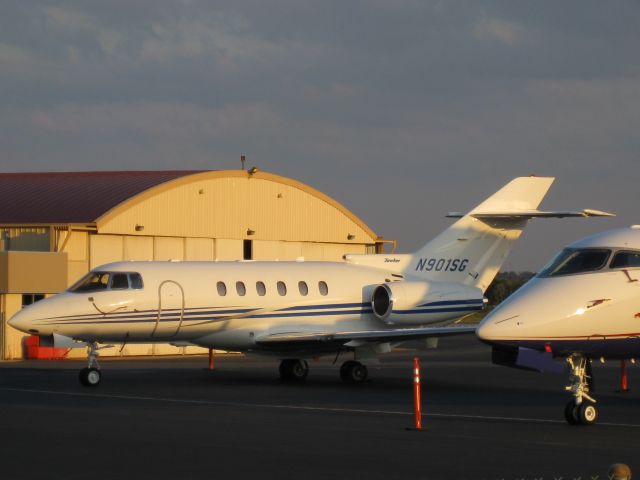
{"x":402,"y":110}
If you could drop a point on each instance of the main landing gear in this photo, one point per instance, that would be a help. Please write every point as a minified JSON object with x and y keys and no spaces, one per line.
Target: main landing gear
{"x":296,"y":370}
{"x":90,"y":376}
{"x":353,"y":372}
{"x":581,"y":410}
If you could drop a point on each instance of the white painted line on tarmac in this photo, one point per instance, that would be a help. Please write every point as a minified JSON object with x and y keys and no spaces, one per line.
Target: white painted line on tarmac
{"x":187,"y":401}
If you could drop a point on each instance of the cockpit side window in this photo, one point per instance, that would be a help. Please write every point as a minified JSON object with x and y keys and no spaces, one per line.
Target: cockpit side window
{"x":135,"y":280}
{"x":98,"y":281}
{"x":625,"y":259}
{"x":119,"y":281}
{"x":92,"y":282}
{"x":573,"y":261}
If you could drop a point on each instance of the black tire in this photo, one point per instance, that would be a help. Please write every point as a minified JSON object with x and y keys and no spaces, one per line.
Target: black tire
{"x":90,"y":377}
{"x":344,"y":370}
{"x":353,"y":372}
{"x":285,"y":370}
{"x":587,"y":413}
{"x":294,"y":370}
{"x":571,"y":414}
{"x":299,"y":370}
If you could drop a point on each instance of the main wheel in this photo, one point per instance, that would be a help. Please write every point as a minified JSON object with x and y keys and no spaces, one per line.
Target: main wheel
{"x":353,"y":372}
{"x":587,"y":413}
{"x":570,"y":413}
{"x":294,"y":370}
{"x":90,"y":377}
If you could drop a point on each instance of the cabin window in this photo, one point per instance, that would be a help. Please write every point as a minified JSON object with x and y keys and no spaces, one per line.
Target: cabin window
{"x":92,"y":282}
{"x":222,"y":289}
{"x":241,"y":289}
{"x":135,"y":280}
{"x":119,"y":281}
{"x":324,"y":289}
{"x":282,"y":289}
{"x":304,"y":289}
{"x":261,"y":289}
{"x":572,"y":261}
{"x":625,"y":260}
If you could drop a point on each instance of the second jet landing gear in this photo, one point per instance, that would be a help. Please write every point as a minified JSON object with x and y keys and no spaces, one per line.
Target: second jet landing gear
{"x":293,"y":370}
{"x":353,"y":372}
{"x":581,"y":410}
{"x":90,"y":376}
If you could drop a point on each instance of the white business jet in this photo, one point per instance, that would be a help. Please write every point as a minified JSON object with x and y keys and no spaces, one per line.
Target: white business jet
{"x":296,"y":310}
{"x":585,"y":304}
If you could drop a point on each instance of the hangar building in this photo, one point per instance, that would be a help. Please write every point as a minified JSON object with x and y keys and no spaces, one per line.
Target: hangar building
{"x":55,"y":227}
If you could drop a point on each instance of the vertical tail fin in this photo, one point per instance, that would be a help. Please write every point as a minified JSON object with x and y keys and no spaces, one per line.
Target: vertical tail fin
{"x":473,"y":249}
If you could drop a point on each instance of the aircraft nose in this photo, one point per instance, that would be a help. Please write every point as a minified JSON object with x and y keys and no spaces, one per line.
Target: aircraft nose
{"x":22,"y":321}
{"x":489,"y":329}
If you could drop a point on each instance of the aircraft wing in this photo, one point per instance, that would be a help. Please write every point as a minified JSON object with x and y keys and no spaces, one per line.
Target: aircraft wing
{"x":526,"y":214}
{"x":395,"y":335}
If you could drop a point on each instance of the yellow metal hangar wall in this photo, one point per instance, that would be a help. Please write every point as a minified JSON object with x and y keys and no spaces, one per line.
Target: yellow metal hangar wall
{"x":205,"y":215}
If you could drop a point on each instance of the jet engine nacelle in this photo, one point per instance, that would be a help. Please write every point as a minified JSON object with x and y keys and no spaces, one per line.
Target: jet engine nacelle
{"x":419,"y":303}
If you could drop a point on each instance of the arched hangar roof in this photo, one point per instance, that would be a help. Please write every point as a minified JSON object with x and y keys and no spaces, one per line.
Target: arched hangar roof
{"x":222,"y":204}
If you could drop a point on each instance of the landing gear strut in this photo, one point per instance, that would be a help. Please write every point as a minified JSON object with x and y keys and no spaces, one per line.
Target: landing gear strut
{"x":293,"y":370}
{"x":581,"y":410}
{"x":353,"y":372}
{"x":90,"y":376}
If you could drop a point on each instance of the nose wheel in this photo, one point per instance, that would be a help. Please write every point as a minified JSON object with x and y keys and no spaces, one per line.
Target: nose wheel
{"x":91,"y":376}
{"x":581,"y":410}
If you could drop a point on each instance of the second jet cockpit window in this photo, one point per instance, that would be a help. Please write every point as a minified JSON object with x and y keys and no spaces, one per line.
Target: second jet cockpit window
{"x":624,"y":259}
{"x":572,"y":261}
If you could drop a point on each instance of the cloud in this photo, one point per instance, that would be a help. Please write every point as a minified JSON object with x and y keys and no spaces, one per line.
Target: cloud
{"x":385,"y":105}
{"x":507,"y":32}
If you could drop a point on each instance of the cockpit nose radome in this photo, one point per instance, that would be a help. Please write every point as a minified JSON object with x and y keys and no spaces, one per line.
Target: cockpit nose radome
{"x":30,"y":318}
{"x":22,"y":321}
{"x":487,"y":330}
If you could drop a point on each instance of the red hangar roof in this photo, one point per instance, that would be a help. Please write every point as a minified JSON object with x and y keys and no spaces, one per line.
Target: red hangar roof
{"x":72,"y":197}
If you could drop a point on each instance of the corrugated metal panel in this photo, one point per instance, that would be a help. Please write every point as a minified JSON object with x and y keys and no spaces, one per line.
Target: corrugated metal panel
{"x":230,"y":207}
{"x":138,"y":248}
{"x":199,"y":249}
{"x":105,"y":249}
{"x":72,"y":197}
{"x":167,"y":248}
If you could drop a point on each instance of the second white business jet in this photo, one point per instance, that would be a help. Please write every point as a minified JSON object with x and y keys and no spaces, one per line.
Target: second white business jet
{"x":296,"y":310}
{"x":585,"y":304}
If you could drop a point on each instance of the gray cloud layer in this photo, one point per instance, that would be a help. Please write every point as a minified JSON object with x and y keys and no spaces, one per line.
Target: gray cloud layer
{"x":400,"y":109}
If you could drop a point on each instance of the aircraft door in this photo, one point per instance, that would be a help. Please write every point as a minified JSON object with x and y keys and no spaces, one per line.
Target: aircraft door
{"x":170,"y":310}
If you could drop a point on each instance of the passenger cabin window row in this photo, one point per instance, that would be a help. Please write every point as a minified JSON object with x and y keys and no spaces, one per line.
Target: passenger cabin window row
{"x":99,"y":281}
{"x":573,"y":261}
{"x":281,"y":288}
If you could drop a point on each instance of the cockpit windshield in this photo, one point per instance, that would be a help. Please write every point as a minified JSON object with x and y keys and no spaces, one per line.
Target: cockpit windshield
{"x":572,"y":261}
{"x":100,"y":281}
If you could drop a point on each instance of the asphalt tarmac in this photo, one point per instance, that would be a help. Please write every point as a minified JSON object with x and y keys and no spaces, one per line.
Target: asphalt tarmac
{"x":172,"y":418}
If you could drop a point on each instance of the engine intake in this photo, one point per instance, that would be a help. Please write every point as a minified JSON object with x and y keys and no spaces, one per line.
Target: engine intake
{"x":419,"y":303}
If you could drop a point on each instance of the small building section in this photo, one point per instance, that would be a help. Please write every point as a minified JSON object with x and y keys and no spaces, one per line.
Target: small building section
{"x":55,"y":227}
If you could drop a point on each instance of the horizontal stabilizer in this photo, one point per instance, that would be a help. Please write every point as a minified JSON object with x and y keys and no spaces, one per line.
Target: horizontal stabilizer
{"x":399,"y":334}
{"x":526,"y":214}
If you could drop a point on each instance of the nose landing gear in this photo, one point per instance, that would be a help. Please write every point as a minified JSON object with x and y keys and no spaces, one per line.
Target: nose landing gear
{"x":581,"y":410}
{"x":90,"y":376}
